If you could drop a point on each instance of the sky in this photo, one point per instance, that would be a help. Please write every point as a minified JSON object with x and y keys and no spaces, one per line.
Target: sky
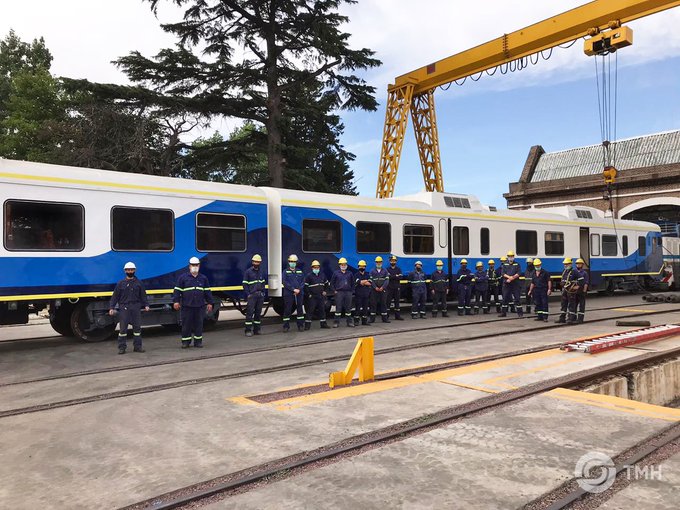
{"x":486,"y":128}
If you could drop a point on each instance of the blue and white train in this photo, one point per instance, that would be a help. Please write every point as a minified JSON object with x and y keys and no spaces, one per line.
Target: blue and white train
{"x":67,"y":232}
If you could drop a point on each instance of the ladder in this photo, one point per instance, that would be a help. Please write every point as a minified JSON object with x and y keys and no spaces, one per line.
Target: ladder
{"x":612,"y":341}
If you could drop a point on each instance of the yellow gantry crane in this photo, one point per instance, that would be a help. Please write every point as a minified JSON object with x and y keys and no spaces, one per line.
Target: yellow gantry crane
{"x":601,"y":20}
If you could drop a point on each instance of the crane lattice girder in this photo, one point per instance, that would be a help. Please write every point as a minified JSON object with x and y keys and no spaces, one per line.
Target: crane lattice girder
{"x":417,"y":86}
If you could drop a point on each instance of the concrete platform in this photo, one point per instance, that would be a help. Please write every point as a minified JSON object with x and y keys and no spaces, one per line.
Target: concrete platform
{"x":111,"y":453}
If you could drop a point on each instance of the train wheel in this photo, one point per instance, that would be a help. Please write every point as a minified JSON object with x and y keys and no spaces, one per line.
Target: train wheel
{"x":277,"y":305}
{"x":84,"y":330}
{"x":61,"y":323}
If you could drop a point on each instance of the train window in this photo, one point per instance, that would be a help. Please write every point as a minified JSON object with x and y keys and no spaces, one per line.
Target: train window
{"x":642,"y":246}
{"x":321,"y":236}
{"x":609,"y":246}
{"x":624,"y":245}
{"x":419,"y":239}
{"x":43,"y":226}
{"x":554,"y":243}
{"x":374,"y":237}
{"x":526,"y":242}
{"x":580,"y":213}
{"x":137,"y":229}
{"x":461,"y":240}
{"x":220,"y":232}
{"x":595,"y":245}
{"x":484,"y":242}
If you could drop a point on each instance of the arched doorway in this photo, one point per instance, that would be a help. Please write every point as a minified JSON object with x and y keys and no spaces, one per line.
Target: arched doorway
{"x":665,"y":212}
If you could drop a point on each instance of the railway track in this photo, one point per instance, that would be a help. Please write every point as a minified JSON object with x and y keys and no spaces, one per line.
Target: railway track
{"x":320,"y":341}
{"x":285,"y":467}
{"x":291,"y":366}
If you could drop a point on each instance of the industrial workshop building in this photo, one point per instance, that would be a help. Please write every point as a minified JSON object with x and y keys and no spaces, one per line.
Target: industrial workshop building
{"x":647,"y":187}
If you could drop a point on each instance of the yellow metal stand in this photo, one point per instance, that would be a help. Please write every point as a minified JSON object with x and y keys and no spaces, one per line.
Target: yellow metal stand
{"x":427,"y":138}
{"x":362,"y":357}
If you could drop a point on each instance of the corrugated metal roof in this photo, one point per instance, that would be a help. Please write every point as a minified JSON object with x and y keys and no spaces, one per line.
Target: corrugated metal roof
{"x":640,"y":152}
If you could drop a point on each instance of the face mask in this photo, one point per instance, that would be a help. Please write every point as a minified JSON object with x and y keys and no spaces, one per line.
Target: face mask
{"x":316,"y":271}
{"x":418,"y":268}
{"x":378,"y":266}
{"x":194,"y":270}
{"x":439,"y":268}
{"x":511,"y":259}
{"x":130,"y":274}
{"x":292,"y":265}
{"x":362,"y":269}
{"x":393,"y":263}
{"x":343,"y":267}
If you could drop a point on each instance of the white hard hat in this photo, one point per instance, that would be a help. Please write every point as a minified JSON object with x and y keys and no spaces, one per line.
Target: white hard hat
{"x":194,"y":260}
{"x":130,"y":265}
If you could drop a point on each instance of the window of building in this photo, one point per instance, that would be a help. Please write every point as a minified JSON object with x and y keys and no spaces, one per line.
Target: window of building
{"x":624,"y":245}
{"x":220,"y":232}
{"x":136,"y":229}
{"x":595,"y":245}
{"x":642,"y":246}
{"x":373,"y":237}
{"x":609,"y":246}
{"x":419,"y":239}
{"x":459,"y":202}
{"x":321,"y":236}
{"x":43,"y":226}
{"x":484,"y":241}
{"x":554,"y":243}
{"x":526,"y":242}
{"x":461,"y":240}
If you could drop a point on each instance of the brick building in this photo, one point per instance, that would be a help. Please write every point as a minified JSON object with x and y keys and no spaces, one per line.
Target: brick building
{"x":647,"y":186}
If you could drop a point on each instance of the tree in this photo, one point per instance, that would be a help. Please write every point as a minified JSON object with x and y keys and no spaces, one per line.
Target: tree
{"x":289,"y":44}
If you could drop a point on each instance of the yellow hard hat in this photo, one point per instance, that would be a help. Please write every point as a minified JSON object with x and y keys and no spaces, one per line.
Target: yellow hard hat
{"x":580,"y":261}
{"x":504,"y":259}
{"x":567,"y":260}
{"x":362,"y":263}
{"x":378,"y":258}
{"x":256,"y":258}
{"x":315,"y":263}
{"x":292,"y":258}
{"x":537,"y":262}
{"x":491,"y":262}
{"x":439,"y":263}
{"x":511,"y":253}
{"x":464,"y":261}
{"x":342,"y":260}
{"x":479,"y":264}
{"x":393,"y":257}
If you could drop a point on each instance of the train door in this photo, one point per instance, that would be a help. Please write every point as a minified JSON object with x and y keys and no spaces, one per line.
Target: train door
{"x":446,"y":223}
{"x":584,"y":243}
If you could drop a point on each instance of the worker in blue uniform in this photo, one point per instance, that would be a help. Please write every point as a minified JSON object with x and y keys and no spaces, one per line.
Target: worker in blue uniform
{"x":579,"y":301}
{"x":540,"y":287}
{"x":480,"y":288}
{"x":130,"y":297}
{"x":380,"y":279}
{"x":493,"y":294}
{"x":439,"y":285}
{"x":254,"y":286}
{"x":501,"y":282}
{"x":528,"y":274}
{"x":342,"y":283}
{"x":418,"y":282}
{"x":362,"y":294}
{"x":567,"y":283}
{"x":191,"y":295}
{"x":316,"y":287}
{"x":511,"y":285}
{"x":464,"y":282}
{"x":293,"y":294}
{"x":394,"y":288}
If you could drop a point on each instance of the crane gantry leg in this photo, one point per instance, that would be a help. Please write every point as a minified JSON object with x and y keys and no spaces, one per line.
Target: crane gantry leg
{"x":427,"y":138}
{"x":396,"y":119}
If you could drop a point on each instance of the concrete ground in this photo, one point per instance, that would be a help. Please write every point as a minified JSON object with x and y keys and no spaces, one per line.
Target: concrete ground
{"x":114,"y":452}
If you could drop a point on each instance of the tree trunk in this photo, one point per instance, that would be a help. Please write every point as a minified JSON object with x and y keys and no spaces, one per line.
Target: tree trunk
{"x":275,"y":161}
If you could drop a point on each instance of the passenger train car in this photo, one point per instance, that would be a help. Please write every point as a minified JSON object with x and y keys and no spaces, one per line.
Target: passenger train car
{"x":67,"y":232}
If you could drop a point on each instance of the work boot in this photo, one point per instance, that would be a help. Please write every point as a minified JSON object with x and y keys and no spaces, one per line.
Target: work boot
{"x":476,"y":311}
{"x":498,"y":308}
{"x":198,"y":345}
{"x":186,"y":344}
{"x":386,"y":319}
{"x":324,"y":325}
{"x":503,"y":314}
{"x":308,"y":326}
{"x":256,"y":331}
{"x":520,"y":313}
{"x":414,"y":315}
{"x":545,"y":319}
{"x":561,"y":320}
{"x":248,"y":333}
{"x":350,"y":323}
{"x":121,"y":350}
{"x":336,"y":324}
{"x":468,"y":312}
{"x":434,"y":315}
{"x":372,"y":319}
{"x":138,"y":349}
{"x":486,"y":310}
{"x":397,"y":316}
{"x":581,"y":319}
{"x":423,"y":315}
{"x":286,"y":327}
{"x":301,"y":326}
{"x":364,"y":321}
{"x":539,"y":318}
{"x":445,"y":314}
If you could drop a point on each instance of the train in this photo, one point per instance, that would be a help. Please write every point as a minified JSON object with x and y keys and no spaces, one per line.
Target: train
{"x":67,"y":232}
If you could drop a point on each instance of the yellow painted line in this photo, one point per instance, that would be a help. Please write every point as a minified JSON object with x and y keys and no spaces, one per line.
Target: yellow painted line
{"x":617,"y":404}
{"x":470,"y":387}
{"x":244,"y":401}
{"x":119,"y":185}
{"x":630,"y":310}
{"x":493,"y":380}
{"x":456,"y":214}
{"x":77,"y":295}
